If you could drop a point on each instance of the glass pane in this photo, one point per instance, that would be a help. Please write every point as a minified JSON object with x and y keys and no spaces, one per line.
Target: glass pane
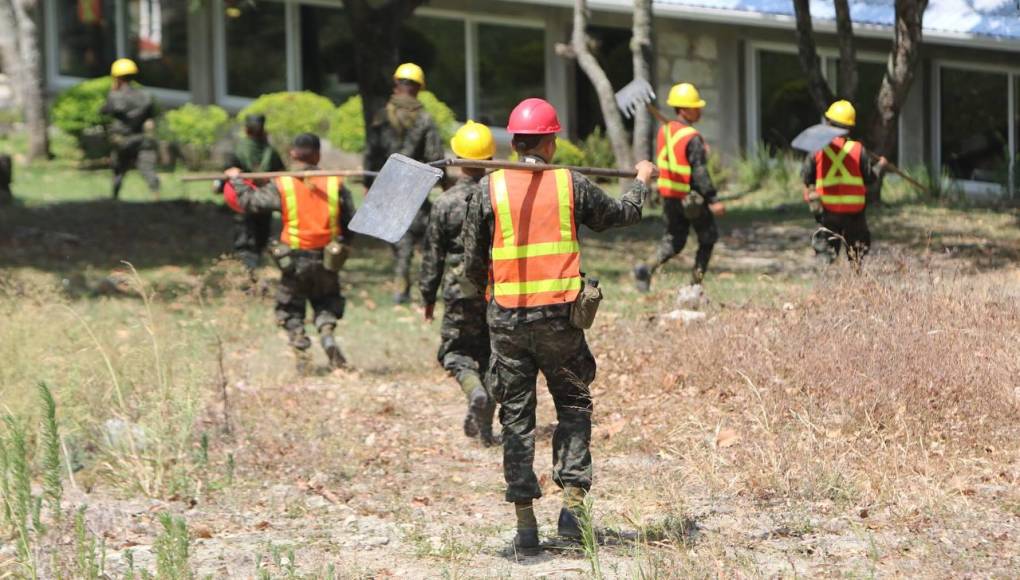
{"x":611,"y":47}
{"x":437,"y":45}
{"x":869,"y":81}
{"x":256,"y":44}
{"x":511,"y":68}
{"x":327,"y":44}
{"x":975,"y":124}
{"x":785,"y":103}
{"x":86,"y":34}
{"x":158,"y":40}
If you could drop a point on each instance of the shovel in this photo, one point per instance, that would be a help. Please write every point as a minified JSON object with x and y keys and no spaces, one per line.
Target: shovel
{"x":272,"y":174}
{"x":635,"y":95}
{"x":403,"y":184}
{"x":812,"y":139}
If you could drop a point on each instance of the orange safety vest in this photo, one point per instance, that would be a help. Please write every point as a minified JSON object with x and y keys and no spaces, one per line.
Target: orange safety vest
{"x":838,"y":177}
{"x":311,"y":211}
{"x":536,"y":257}
{"x":90,"y":11}
{"x":674,"y":168}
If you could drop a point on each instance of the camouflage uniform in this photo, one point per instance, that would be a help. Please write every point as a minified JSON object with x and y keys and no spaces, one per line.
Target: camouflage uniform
{"x":678,"y":226}
{"x":528,"y":340}
{"x":404,"y":127}
{"x":852,"y":227}
{"x":308,"y":281}
{"x":133,"y":145}
{"x":252,"y":230}
{"x":464,"y":350}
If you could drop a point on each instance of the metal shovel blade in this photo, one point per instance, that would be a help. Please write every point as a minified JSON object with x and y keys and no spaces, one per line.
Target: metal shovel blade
{"x":634,"y":96}
{"x":815,"y":137}
{"x":394,"y":198}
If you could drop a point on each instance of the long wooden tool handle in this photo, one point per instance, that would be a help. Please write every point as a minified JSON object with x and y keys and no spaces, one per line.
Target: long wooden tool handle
{"x":657,"y":113}
{"x":892,"y":167}
{"x":272,"y":174}
{"x":486,"y":164}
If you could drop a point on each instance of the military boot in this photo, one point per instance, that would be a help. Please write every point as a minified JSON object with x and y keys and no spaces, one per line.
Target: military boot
{"x":643,"y":278}
{"x":526,"y":538}
{"x":336,"y":357}
{"x":477,"y":399}
{"x":569,"y":524}
{"x":489,"y":439}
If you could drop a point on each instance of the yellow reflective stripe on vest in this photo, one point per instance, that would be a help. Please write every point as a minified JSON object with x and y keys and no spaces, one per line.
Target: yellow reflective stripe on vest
{"x":674,"y":185}
{"x":290,"y":198}
{"x":536,"y":286}
{"x":535,"y":250}
{"x":854,"y":199}
{"x":564,"y":194}
{"x":333,"y":196}
{"x":506,"y":225}
{"x":838,"y":173}
{"x":667,"y":157}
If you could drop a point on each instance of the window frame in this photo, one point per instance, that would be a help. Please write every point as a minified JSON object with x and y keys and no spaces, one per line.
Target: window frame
{"x":1012,"y":73}
{"x":59,"y":82}
{"x":291,"y":58}
{"x":827,"y":55}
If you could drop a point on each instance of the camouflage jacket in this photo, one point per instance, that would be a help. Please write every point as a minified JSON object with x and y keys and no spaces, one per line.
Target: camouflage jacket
{"x":697,"y":156}
{"x":402,"y":126}
{"x":592,"y":207}
{"x":130,"y":107}
{"x":255,"y":155}
{"x":266,"y":198}
{"x":443,"y":250}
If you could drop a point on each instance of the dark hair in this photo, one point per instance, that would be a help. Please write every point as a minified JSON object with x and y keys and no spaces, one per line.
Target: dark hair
{"x":408,"y":83}
{"x":257,"y":122}
{"x":307,"y":142}
{"x":525,"y":143}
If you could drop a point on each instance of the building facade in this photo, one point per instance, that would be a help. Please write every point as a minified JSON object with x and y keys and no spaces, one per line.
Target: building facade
{"x":483,"y":56}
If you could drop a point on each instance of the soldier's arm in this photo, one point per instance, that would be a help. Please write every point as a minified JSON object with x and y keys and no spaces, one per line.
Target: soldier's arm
{"x":476,"y":236}
{"x":347,"y":211}
{"x":262,"y":199}
{"x":433,"y":259}
{"x":701,"y":181}
{"x":807,"y":173}
{"x":871,"y":169}
{"x":276,"y":162}
{"x":599,"y":211}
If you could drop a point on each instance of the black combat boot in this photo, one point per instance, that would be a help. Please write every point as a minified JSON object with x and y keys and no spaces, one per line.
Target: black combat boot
{"x":336,"y":357}
{"x":569,"y":525}
{"x":301,"y":343}
{"x":489,"y":439}
{"x":526,"y":539}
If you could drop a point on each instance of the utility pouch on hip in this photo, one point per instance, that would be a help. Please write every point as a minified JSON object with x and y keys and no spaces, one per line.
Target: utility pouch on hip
{"x":282,"y":256}
{"x":335,"y":255}
{"x":694,"y":205}
{"x":586,"y":306}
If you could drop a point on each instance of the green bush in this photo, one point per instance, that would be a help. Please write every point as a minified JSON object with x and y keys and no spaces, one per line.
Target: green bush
{"x":598,"y":151}
{"x":568,"y":154}
{"x":347,"y":126}
{"x":195,"y":128}
{"x":77,"y":109}
{"x":289,"y":114}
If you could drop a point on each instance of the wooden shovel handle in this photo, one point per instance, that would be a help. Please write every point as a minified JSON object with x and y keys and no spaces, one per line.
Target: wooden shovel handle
{"x":487,"y":164}
{"x":892,"y":167}
{"x":272,"y":174}
{"x":656,"y":113}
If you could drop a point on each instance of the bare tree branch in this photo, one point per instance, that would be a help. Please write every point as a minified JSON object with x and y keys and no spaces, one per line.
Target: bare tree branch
{"x":847,"y":51}
{"x":821,"y":94}
{"x":19,"y":49}
{"x":643,"y":55}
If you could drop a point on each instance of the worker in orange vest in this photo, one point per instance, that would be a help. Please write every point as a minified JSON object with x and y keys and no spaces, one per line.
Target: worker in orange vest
{"x":688,"y":195}
{"x":523,"y":228}
{"x":836,"y":181}
{"x":314,"y":214}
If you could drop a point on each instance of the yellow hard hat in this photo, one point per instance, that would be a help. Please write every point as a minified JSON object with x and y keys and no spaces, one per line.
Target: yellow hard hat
{"x":123,"y":67}
{"x":685,"y":96}
{"x":843,"y":113}
{"x":410,"y":72}
{"x":473,"y":141}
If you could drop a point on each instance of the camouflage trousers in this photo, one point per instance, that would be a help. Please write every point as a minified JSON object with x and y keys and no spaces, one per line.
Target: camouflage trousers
{"x":464,"y":349}
{"x":678,"y":227}
{"x":308,"y":283}
{"x":139,"y":153}
{"x":251,"y":235}
{"x":561,"y":353}
{"x":851,"y":235}
{"x":403,"y":250}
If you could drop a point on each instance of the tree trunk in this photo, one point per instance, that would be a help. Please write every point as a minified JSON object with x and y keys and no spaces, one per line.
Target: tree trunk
{"x":377,"y":52}
{"x":821,"y":94}
{"x":847,"y":51}
{"x":899,"y":74}
{"x":643,"y":55}
{"x":10,"y":57}
{"x":578,"y":49}
{"x":32,"y":97}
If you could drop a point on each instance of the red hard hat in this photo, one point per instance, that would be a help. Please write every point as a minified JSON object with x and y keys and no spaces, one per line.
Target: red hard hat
{"x":533,"y":117}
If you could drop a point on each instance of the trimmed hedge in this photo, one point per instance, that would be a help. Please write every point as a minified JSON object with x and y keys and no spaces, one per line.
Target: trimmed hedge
{"x":347,"y":125}
{"x":289,"y":114}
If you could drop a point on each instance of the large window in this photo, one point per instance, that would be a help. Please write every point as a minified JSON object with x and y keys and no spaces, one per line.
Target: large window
{"x":869,"y":81}
{"x":438,"y":46}
{"x":784,"y":102}
{"x":975,"y":125}
{"x":158,"y":40}
{"x":86,"y":36}
{"x":327,"y":53}
{"x":511,"y":68}
{"x":256,"y":49}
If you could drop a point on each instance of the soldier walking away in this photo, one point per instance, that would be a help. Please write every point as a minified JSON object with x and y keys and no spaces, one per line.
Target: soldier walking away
{"x":524,"y":225}
{"x":253,"y":154}
{"x":464,"y":350}
{"x":688,"y":195}
{"x":836,"y":181}
{"x":133,"y":130}
{"x":315,"y":213}
{"x":403,"y":126}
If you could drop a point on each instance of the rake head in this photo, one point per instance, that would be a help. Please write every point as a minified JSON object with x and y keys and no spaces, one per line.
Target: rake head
{"x":634,"y":96}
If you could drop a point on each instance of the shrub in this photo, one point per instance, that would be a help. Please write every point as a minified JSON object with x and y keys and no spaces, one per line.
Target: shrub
{"x":568,"y":154}
{"x":598,"y":150}
{"x":77,"y":109}
{"x":347,"y":126}
{"x":196,"y":128}
{"x":291,"y":113}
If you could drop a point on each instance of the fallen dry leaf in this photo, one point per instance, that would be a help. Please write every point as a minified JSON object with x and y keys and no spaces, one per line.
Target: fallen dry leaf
{"x":726,"y":438}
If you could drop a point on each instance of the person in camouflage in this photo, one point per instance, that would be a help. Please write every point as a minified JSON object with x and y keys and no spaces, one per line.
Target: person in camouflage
{"x":253,"y":154}
{"x":403,"y":126}
{"x":133,"y":128}
{"x":464,"y":351}
{"x":529,"y":318}
{"x":305,"y":279}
